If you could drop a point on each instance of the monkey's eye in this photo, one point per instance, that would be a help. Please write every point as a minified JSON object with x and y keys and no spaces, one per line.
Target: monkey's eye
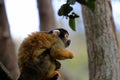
{"x":66,"y":36}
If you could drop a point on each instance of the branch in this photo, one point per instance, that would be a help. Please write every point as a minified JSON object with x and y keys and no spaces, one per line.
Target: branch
{"x":4,"y":73}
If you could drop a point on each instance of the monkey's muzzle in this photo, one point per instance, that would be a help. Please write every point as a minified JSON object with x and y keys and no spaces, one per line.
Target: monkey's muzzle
{"x":68,"y":43}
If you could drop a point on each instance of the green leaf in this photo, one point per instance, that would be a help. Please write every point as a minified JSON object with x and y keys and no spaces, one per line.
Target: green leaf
{"x":65,"y":10}
{"x":91,"y":5}
{"x":72,"y":2}
{"x":72,"y":24}
{"x":82,"y":2}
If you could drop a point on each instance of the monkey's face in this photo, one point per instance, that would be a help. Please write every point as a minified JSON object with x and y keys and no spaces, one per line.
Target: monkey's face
{"x":62,"y":34}
{"x":65,"y":39}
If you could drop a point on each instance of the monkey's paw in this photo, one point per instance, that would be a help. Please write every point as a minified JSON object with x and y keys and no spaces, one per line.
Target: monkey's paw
{"x":56,"y":76}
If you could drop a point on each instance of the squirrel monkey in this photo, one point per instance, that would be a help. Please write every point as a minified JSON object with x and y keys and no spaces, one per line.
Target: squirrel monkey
{"x":38,"y":54}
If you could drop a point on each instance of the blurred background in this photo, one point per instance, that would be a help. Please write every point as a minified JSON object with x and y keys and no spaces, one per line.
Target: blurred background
{"x":23,"y":19}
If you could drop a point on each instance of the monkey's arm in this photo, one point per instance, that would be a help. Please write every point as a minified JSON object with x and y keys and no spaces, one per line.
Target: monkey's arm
{"x":61,"y":54}
{"x":58,"y":51}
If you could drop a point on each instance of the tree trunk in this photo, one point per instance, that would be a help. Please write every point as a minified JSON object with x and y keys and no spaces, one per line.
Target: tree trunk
{"x":102,"y":44}
{"x":7,"y":51}
{"x":46,"y":15}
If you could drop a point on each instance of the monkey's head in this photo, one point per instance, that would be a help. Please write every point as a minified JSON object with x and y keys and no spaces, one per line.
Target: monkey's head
{"x":62,"y":34}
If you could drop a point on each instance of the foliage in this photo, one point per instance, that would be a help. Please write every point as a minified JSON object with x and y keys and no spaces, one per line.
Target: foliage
{"x":67,"y":10}
{"x":89,"y":3}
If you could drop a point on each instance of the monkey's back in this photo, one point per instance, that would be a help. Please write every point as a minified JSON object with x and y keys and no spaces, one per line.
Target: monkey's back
{"x":32,"y":57}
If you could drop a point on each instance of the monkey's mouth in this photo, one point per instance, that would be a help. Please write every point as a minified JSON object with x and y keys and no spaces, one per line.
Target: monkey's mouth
{"x":68,"y":43}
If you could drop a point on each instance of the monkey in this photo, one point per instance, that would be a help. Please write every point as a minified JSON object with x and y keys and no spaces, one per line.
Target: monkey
{"x":39,"y":52}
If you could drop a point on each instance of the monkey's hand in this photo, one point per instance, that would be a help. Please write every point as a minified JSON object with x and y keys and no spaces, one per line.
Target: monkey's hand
{"x":55,"y":77}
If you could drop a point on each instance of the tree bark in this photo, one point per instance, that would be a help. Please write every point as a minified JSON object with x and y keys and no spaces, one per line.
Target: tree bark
{"x":7,"y":51}
{"x":102,"y":44}
{"x":46,"y":15}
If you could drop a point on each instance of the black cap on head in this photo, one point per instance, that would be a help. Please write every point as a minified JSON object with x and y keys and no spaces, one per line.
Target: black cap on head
{"x":62,"y":32}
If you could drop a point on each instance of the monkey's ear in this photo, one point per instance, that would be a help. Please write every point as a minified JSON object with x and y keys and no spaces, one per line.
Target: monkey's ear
{"x":56,"y":32}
